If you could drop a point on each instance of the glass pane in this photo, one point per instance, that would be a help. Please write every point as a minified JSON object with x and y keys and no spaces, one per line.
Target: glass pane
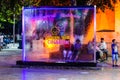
{"x":58,"y":34}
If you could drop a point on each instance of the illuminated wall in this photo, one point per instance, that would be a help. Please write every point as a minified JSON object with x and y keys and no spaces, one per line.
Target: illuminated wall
{"x":108,"y":24}
{"x":117,"y":18}
{"x":105,"y":20}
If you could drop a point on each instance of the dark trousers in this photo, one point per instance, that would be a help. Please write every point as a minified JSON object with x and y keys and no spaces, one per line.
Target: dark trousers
{"x":97,"y":55}
{"x":105,"y":51}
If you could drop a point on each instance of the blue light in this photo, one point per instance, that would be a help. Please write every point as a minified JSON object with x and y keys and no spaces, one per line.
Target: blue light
{"x":60,"y":7}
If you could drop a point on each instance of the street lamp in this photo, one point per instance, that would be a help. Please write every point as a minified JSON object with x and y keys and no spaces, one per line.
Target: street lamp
{"x":14,"y":27}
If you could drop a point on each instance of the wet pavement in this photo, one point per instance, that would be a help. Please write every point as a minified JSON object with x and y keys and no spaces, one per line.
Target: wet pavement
{"x":59,"y":74}
{"x":8,"y":57}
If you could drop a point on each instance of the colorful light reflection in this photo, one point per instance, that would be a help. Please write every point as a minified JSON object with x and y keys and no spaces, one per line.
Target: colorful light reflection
{"x":38,"y":23}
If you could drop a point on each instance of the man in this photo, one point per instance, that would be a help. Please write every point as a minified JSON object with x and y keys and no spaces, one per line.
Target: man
{"x":103,"y":47}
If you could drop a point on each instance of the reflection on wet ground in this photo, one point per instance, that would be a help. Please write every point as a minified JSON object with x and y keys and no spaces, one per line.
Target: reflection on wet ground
{"x":8,"y":71}
{"x":59,"y":74}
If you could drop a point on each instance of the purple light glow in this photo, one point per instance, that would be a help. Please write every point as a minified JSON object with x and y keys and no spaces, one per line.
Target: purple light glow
{"x":95,"y":32}
{"x":23,"y":36}
{"x":38,"y":22}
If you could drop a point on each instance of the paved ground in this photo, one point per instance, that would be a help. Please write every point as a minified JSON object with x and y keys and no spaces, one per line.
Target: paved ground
{"x":59,"y":74}
{"x":8,"y":57}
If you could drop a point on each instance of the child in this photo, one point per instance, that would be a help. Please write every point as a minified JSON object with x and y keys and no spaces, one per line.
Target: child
{"x":77,"y":49}
{"x":67,"y":53}
{"x":114,"y":53}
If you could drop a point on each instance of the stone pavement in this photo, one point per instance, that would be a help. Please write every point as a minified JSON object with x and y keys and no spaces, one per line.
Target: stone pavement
{"x":59,"y":74}
{"x":9,"y":56}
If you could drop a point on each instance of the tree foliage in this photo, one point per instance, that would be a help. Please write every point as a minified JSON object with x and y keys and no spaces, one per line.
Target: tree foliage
{"x":10,"y":7}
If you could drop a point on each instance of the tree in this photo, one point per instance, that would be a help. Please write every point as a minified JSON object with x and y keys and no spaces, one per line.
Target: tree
{"x":101,"y":4}
{"x":10,"y":7}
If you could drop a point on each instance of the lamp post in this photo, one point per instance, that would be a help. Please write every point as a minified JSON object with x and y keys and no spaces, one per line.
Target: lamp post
{"x":14,"y":27}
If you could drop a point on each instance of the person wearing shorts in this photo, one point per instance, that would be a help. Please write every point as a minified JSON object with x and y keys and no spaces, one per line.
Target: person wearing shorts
{"x":114,"y":53}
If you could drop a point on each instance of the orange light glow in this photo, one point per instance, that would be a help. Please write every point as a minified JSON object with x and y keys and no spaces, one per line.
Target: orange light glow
{"x":90,"y":33}
{"x":117,"y":18}
{"x":51,"y":47}
{"x":108,"y":25}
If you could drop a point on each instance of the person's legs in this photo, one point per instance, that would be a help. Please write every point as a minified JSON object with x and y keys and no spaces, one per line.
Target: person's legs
{"x":77,"y":55}
{"x":106,"y":52}
{"x":116,"y":59}
{"x":97,"y":55}
{"x":101,"y":56}
{"x":69,"y":56}
{"x":113,"y":60}
{"x":64,"y":54}
{"x":74,"y":55}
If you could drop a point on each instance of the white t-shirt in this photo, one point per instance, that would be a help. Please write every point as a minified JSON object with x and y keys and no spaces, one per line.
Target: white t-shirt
{"x":103,"y":45}
{"x":115,"y":49}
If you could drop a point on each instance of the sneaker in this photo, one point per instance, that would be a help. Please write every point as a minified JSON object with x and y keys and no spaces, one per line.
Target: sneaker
{"x":116,"y":65}
{"x":113,"y":65}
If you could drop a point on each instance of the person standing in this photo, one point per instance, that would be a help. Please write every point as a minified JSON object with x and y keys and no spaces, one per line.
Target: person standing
{"x":114,"y":53}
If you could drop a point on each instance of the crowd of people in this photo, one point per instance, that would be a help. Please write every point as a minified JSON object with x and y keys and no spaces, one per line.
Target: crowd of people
{"x":101,"y":50}
{"x":72,"y":51}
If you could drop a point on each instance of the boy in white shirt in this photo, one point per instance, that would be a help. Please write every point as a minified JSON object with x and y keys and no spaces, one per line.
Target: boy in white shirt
{"x":103,"y":47}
